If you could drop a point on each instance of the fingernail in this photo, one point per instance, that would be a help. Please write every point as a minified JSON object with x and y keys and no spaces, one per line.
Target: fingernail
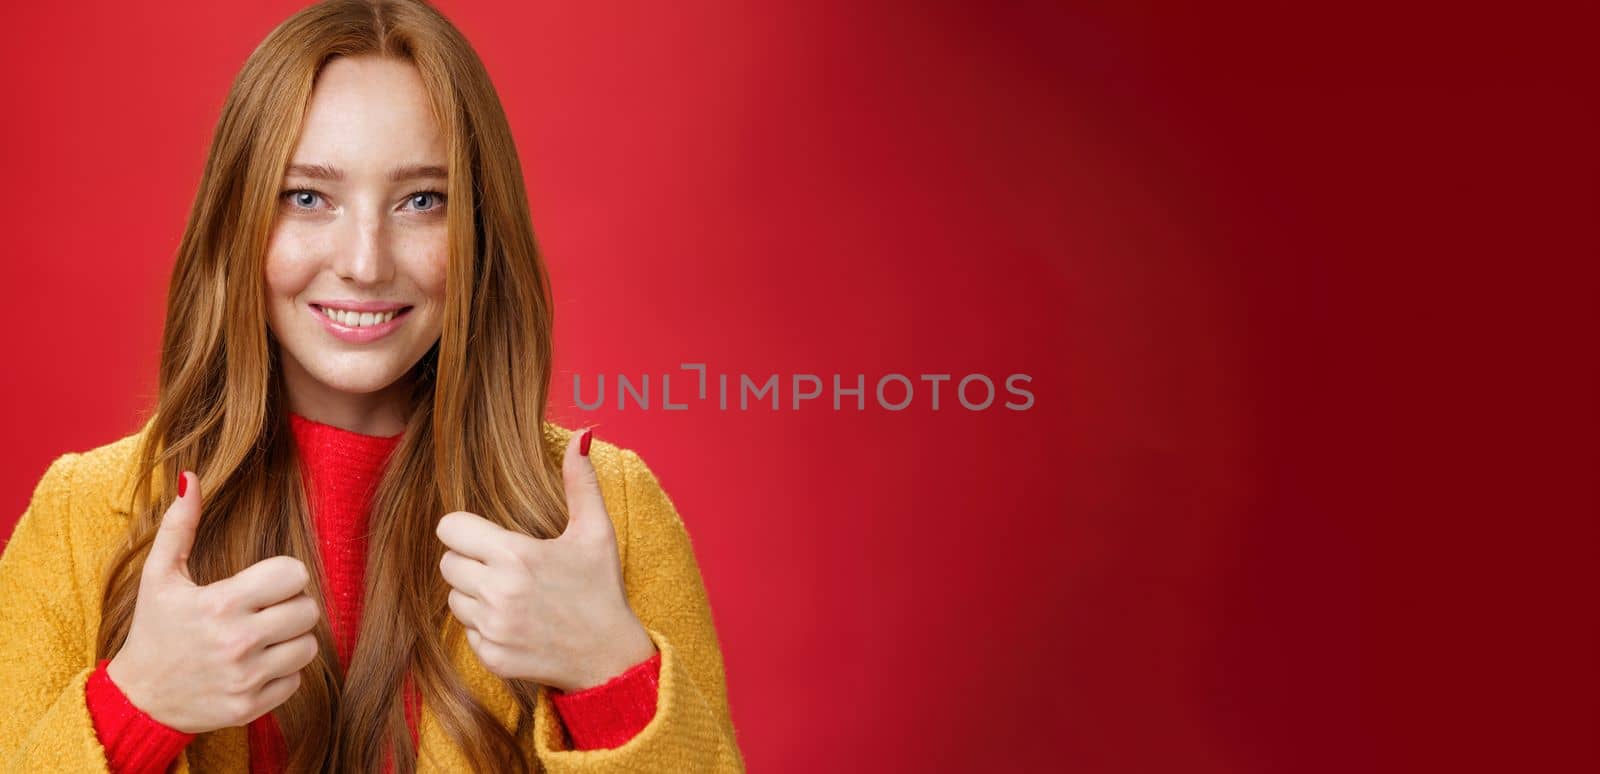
{"x":183,"y":482}
{"x":583,"y":445}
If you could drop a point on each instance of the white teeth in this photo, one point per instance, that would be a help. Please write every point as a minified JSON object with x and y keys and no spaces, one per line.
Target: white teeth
{"x":358,"y":319}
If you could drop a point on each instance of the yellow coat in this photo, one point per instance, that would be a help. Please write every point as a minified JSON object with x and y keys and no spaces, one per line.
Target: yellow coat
{"x":50,"y":588}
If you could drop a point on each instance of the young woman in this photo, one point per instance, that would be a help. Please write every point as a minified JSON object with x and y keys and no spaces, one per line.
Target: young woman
{"x":346,"y":540}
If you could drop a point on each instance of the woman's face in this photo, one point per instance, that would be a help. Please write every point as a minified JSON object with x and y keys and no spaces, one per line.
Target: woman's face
{"x":359,"y":235}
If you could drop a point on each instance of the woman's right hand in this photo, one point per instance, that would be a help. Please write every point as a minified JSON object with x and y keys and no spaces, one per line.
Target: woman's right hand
{"x":200,"y":658}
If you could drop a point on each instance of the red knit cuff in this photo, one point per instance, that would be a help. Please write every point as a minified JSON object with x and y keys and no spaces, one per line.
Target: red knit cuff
{"x":609,"y":714}
{"x":135,"y":743}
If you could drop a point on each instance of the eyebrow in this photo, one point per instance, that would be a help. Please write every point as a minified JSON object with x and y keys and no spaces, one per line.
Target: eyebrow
{"x":396,"y":175}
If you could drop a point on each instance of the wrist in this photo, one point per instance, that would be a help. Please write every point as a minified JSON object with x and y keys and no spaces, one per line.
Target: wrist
{"x":632,"y":648}
{"x":129,"y":686}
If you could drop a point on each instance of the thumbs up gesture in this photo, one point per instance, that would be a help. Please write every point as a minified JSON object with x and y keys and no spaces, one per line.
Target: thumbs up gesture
{"x":199,"y":658}
{"x":551,"y":611}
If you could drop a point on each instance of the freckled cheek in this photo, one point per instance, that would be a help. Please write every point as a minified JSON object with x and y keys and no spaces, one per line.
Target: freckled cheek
{"x":427,"y":263}
{"x":292,"y":262}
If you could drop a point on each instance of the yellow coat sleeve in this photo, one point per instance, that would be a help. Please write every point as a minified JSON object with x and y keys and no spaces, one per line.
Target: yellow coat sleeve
{"x":692,"y":730}
{"x":45,"y":652}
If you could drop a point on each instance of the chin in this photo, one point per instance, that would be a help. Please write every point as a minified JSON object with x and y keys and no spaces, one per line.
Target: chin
{"x":364,"y":387}
{"x":358,"y":383}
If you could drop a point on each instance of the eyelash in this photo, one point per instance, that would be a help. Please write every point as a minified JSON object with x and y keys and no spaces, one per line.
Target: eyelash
{"x":285,"y":196}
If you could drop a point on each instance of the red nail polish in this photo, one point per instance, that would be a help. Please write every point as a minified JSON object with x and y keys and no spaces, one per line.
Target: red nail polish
{"x":583,"y":445}
{"x":183,"y":483}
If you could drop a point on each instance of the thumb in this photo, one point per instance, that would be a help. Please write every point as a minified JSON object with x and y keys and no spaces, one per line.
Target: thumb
{"x":169,"y":552}
{"x":584,"y":502}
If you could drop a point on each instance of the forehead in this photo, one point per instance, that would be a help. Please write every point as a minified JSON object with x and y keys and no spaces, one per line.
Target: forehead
{"x":368,"y":114}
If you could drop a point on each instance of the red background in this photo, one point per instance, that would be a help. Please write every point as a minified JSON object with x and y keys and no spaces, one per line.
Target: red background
{"x":1305,"y":296}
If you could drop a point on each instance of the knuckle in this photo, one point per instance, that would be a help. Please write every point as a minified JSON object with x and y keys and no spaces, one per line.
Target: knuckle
{"x":290,"y":567}
{"x":242,"y":709}
{"x":234,"y":646}
{"x":492,"y":659}
{"x":521,"y":549}
{"x":171,"y":598}
{"x":218,"y":602}
{"x":603,"y":536}
{"x":494,"y":599}
{"x":310,"y":611}
{"x":240,"y":682}
{"x":492,"y":628}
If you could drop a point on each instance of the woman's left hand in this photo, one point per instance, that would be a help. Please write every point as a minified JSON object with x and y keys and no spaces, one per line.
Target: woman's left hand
{"x":551,"y":611}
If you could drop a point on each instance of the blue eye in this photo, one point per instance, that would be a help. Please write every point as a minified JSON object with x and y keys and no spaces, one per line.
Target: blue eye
{"x":427,"y":201}
{"x":422,"y":201}
{"x":302,"y":198}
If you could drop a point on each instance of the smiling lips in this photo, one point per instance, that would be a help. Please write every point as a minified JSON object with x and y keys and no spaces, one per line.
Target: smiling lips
{"x":360,"y":322}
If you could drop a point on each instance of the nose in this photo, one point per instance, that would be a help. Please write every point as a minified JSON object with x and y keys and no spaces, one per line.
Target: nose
{"x":364,"y":257}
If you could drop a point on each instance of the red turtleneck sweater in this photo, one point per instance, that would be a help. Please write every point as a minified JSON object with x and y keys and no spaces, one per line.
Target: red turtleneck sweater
{"x":341,"y":471}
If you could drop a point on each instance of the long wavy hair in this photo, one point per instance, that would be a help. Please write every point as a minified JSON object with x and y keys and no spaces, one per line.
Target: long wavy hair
{"x":475,"y":438}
